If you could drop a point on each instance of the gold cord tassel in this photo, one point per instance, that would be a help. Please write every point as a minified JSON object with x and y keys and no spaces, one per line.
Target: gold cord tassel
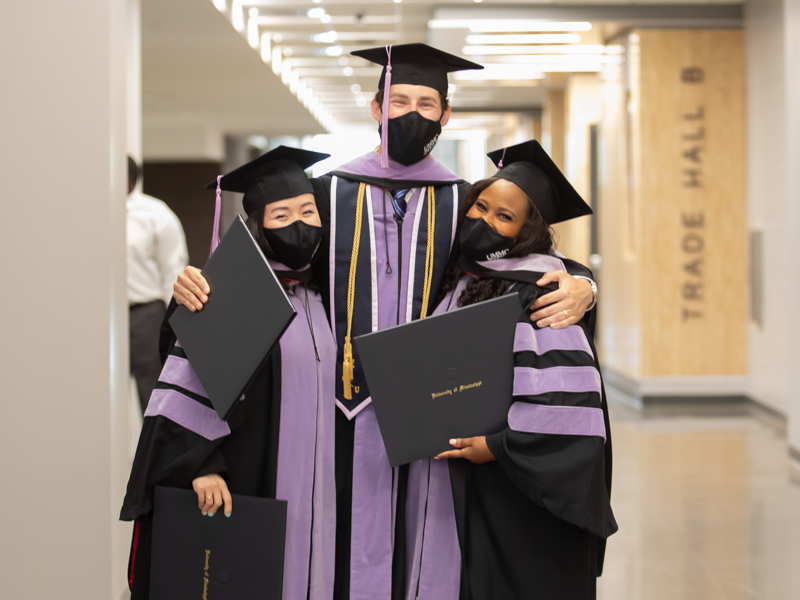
{"x":428,"y":279}
{"x":348,"y":364}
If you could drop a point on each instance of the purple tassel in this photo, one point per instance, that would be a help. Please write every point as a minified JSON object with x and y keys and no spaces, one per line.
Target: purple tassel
{"x":387,"y":84}
{"x":217,"y":211}
{"x":502,"y":158}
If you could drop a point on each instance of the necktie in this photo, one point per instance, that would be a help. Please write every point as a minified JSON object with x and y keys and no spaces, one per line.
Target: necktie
{"x":399,"y":204}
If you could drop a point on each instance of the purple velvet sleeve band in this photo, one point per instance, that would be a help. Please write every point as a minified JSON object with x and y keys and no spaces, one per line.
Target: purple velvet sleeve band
{"x":559,"y":420}
{"x":541,"y":341}
{"x":187,"y":413}
{"x":532,"y":382}
{"x":178,"y":371}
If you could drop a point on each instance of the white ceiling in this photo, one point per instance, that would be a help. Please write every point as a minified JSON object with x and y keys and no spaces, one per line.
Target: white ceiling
{"x":197,"y":69}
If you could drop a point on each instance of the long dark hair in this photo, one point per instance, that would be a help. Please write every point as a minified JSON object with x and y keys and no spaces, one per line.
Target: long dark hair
{"x":535,"y":237}
{"x":255,"y":223}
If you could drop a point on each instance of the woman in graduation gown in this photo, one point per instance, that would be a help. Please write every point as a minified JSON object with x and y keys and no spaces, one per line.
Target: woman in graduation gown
{"x":278,"y":441}
{"x":527,"y":509}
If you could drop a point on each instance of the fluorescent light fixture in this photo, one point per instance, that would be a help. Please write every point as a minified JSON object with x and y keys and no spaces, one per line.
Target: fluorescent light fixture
{"x":294,"y":82}
{"x":329,"y":37}
{"x":286,"y":74}
{"x":277,"y":38}
{"x":347,"y":71}
{"x":555,"y":49}
{"x":557,"y":38}
{"x":220,"y":4}
{"x":333,"y":51}
{"x":252,"y":32}
{"x":530,"y":38}
{"x":343,"y":60}
{"x":325,"y":18}
{"x":253,"y":12}
{"x":266,"y":47}
{"x":561,"y":59}
{"x":277,"y":60}
{"x":361,"y":101}
{"x":397,"y":1}
{"x":500,"y":72}
{"x":315,"y":13}
{"x":302,"y":89}
{"x":237,"y":15}
{"x":355,"y":88}
{"x":508,"y":25}
{"x":287,"y":51}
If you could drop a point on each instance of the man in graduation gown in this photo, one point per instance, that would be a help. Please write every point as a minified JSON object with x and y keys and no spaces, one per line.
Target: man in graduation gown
{"x":278,"y":441}
{"x":393,"y":222}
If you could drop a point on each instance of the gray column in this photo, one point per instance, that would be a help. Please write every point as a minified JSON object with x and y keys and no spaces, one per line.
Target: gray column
{"x":63,"y":314}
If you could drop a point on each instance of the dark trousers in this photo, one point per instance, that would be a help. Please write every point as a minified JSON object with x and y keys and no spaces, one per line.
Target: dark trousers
{"x":145,"y":326}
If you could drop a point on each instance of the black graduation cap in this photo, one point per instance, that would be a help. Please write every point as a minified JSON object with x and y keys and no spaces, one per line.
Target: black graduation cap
{"x":416,"y":64}
{"x":529,"y":167}
{"x":276,"y":175}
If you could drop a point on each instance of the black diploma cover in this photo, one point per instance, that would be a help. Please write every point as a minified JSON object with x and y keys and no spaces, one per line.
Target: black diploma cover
{"x":443,"y":377}
{"x":216,"y":558}
{"x":245,"y":316}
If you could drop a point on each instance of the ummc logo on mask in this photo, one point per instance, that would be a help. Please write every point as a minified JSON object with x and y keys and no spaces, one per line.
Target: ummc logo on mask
{"x":429,"y":146}
{"x":497,"y":255}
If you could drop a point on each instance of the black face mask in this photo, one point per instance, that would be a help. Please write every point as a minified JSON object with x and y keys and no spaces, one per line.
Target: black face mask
{"x":411,"y":137}
{"x":479,"y":242}
{"x":295,"y":244}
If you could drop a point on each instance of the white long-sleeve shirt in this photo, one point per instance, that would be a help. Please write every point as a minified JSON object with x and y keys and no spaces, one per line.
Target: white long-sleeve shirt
{"x":156,"y":249}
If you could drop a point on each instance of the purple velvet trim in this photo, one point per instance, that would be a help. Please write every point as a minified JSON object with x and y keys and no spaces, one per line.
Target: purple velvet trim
{"x":433,"y":556}
{"x":411,"y":227}
{"x":538,"y":263}
{"x":532,"y":382}
{"x":305,"y":455}
{"x":428,"y":169}
{"x":178,"y":371}
{"x":187,"y":413}
{"x":386,"y":231}
{"x":558,"y":420}
{"x":542,"y":341}
{"x":371,"y":533}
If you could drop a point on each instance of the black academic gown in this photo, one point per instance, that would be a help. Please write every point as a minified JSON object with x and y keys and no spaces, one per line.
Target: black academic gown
{"x":169,"y":454}
{"x":533,"y":523}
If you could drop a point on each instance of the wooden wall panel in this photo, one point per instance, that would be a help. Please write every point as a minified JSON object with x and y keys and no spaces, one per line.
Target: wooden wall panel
{"x":692,"y":203}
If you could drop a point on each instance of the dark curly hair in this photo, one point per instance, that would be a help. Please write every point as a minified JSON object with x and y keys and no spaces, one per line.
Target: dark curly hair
{"x":535,"y":237}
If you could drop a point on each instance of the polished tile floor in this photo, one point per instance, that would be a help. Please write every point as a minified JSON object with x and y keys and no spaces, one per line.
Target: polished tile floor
{"x":705,"y":505}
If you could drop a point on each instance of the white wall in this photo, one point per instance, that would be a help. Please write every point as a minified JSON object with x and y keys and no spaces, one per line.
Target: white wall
{"x":792,"y":44}
{"x":63,"y":312}
{"x":768,"y":344}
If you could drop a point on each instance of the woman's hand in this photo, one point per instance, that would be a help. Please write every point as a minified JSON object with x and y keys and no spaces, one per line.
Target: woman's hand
{"x":573,"y":296}
{"x":191,"y":289}
{"x":474,"y":449}
{"x":212,"y":492}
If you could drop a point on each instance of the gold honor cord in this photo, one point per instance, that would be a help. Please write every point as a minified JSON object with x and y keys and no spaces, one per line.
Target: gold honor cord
{"x":348,"y":362}
{"x":426,"y":286}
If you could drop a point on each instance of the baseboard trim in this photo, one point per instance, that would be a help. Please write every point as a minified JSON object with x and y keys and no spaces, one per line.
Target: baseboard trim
{"x":689,"y":392}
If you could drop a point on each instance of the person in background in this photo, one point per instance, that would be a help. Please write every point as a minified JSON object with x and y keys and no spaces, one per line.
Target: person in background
{"x":157,"y":254}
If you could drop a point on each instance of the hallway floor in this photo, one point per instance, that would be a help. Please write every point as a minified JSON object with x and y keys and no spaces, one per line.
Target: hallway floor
{"x":705,"y":506}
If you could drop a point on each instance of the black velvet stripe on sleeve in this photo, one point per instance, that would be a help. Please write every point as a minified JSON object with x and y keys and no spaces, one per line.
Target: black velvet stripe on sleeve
{"x":196,"y":397}
{"x":555,"y":358}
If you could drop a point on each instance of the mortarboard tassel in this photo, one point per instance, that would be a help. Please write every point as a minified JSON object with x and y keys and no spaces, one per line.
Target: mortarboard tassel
{"x":387,"y":84}
{"x":217,"y":212}
{"x":502,"y":158}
